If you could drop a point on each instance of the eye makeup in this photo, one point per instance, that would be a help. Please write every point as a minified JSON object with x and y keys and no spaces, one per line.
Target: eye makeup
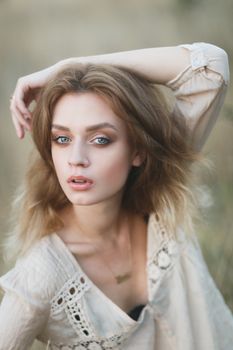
{"x":97,"y":140}
{"x":61,"y":139}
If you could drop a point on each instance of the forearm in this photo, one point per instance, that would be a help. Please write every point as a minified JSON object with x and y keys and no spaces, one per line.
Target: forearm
{"x":159,"y":65}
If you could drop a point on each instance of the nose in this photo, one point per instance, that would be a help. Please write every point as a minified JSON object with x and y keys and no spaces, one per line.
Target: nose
{"x":78,"y":156}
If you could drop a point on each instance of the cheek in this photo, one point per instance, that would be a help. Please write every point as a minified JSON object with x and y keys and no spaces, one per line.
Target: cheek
{"x":115,"y":168}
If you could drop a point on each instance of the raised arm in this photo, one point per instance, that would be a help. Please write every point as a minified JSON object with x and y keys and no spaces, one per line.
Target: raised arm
{"x":159,"y":65}
{"x":171,"y":66}
{"x":197,"y":74}
{"x":200,"y":89}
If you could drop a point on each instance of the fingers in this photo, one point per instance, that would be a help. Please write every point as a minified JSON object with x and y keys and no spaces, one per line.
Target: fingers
{"x":19,"y":129}
{"x":26,"y":91}
{"x":21,"y":116}
{"x":21,"y":94}
{"x":21,"y":121}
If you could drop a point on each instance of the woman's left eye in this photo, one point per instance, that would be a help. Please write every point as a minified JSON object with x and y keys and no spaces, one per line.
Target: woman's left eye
{"x":101,"y":140}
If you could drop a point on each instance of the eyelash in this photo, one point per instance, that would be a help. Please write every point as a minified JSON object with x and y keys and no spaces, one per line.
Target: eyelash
{"x":57,"y":138}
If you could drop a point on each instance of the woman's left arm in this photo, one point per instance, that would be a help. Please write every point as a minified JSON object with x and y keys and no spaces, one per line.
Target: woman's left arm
{"x":159,"y":65}
{"x":198,"y":75}
{"x":200,"y":89}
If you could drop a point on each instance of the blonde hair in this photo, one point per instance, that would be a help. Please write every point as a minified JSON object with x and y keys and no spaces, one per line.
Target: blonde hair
{"x":160,"y":184}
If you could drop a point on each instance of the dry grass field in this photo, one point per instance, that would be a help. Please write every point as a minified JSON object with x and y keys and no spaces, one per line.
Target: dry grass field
{"x":34,"y":34}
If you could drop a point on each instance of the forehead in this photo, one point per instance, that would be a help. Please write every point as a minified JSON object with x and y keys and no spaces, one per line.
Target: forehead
{"x":85,"y":108}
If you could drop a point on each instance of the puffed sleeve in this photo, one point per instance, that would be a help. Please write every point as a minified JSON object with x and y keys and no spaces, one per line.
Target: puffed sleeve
{"x":200,"y":89}
{"x":25,"y":306}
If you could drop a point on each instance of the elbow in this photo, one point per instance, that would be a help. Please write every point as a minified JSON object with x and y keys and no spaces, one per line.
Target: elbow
{"x":211,"y":57}
{"x":217,"y":61}
{"x":226,"y":65}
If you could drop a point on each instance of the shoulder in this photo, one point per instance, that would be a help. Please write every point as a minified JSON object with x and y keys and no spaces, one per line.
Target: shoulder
{"x":41,"y":272}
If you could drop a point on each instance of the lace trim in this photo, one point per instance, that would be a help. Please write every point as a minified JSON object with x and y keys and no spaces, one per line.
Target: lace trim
{"x":69,"y":300}
{"x":73,"y":290}
{"x":111,"y":343}
{"x":78,"y":320}
{"x":164,"y":257}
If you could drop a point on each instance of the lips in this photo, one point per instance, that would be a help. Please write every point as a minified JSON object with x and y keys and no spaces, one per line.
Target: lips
{"x":80,"y":183}
{"x":79,"y":180}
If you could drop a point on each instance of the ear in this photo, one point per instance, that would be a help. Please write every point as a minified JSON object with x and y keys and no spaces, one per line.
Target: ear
{"x":138,"y":158}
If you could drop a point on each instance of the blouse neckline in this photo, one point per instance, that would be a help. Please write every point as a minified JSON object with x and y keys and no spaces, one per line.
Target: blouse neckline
{"x":78,"y":268}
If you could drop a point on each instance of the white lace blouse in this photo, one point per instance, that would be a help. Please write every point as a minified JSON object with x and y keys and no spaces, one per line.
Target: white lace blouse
{"x":48,"y":297}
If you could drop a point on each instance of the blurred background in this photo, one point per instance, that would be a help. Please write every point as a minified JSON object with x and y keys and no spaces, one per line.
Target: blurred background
{"x":35,"y":34}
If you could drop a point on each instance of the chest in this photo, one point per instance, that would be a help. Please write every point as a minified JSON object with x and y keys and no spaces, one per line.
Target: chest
{"x":121,"y":277}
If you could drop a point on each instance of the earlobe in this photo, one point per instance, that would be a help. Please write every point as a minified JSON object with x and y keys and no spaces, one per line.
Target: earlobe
{"x":138,"y":159}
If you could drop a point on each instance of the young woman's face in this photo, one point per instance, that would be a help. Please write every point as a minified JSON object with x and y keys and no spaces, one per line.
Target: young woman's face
{"x":90,"y":149}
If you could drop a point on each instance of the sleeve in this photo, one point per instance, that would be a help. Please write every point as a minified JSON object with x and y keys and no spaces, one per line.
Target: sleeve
{"x":24,"y":309}
{"x":208,"y":313}
{"x":200,"y":89}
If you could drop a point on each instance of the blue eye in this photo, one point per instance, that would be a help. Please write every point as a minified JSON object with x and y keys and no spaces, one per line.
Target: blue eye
{"x":102,"y":140}
{"x":62,"y":139}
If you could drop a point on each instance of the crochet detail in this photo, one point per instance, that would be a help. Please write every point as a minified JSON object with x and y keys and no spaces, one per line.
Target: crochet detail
{"x":111,"y":343}
{"x":164,"y":257}
{"x":69,"y":300}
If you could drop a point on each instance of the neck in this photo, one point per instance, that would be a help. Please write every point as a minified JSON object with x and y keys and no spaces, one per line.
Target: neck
{"x":94,"y":223}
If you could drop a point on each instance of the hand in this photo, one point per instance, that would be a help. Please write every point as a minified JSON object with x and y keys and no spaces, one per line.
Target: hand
{"x":26,"y":91}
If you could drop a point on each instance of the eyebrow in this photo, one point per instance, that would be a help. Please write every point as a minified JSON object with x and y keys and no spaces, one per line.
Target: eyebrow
{"x":89,"y":128}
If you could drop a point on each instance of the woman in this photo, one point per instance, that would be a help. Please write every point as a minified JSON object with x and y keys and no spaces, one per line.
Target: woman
{"x":104,"y":262}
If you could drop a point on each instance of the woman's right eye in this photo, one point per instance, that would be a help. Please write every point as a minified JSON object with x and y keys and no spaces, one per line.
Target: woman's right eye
{"x":61,"y":139}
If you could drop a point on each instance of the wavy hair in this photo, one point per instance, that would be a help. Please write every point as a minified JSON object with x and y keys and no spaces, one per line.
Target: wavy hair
{"x":160,"y":185}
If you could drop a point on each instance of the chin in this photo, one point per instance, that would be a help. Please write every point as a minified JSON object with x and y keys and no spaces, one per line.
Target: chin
{"x":89,"y":198}
{"x":82,"y":200}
